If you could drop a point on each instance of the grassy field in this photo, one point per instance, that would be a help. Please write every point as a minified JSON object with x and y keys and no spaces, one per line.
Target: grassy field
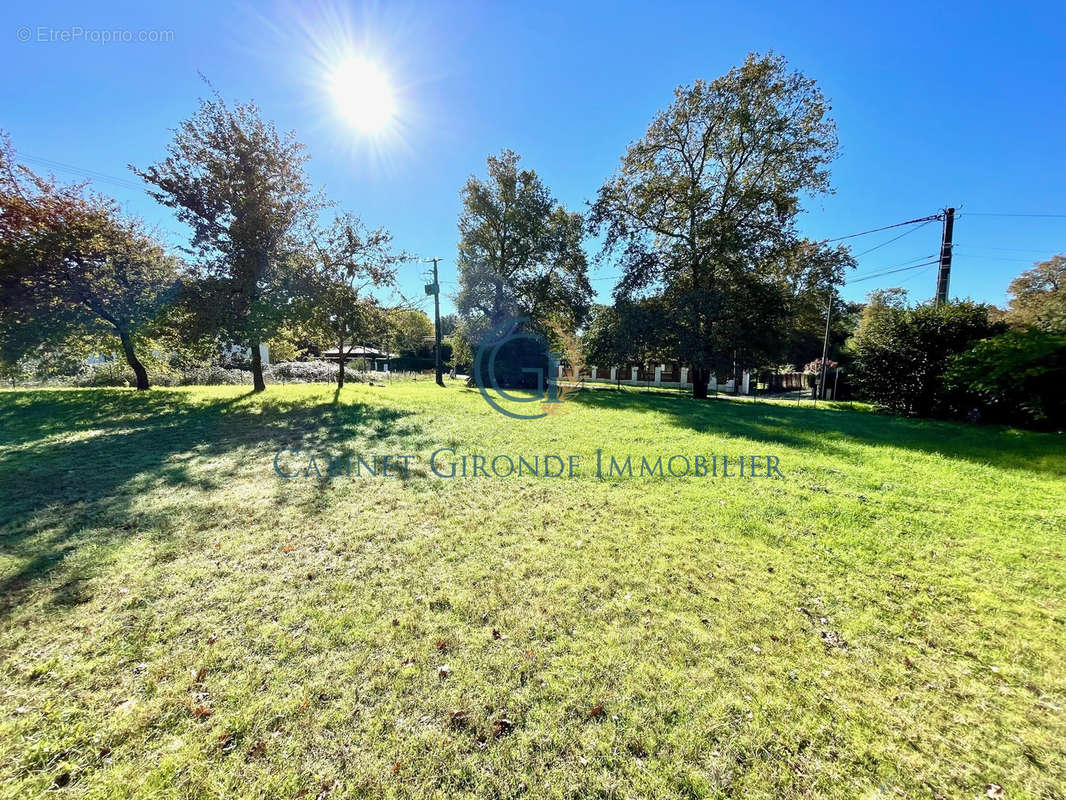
{"x":886,"y":619}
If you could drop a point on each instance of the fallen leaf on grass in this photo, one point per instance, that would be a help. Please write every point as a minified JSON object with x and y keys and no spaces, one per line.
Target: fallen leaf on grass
{"x":257,"y":750}
{"x":993,"y":790}
{"x":443,"y":671}
{"x":202,"y":712}
{"x":596,"y":711}
{"x":198,"y":675}
{"x":502,"y":727}
{"x":287,"y":548}
{"x":442,"y":645}
{"x":637,"y":749}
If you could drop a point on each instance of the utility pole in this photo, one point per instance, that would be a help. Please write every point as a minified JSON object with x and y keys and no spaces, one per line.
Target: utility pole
{"x":825,"y":345}
{"x":945,"y":257}
{"x":434,"y":289}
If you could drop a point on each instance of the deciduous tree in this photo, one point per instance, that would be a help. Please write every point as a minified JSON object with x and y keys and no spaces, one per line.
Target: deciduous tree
{"x":706,"y":202}
{"x":344,"y":262}
{"x":241,"y":187}
{"x":1039,"y":296}
{"x":520,"y":253}
{"x":72,"y":265}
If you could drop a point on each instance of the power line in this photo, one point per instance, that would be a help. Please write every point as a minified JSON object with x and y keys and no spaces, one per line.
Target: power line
{"x":996,"y":214}
{"x":891,"y":272}
{"x":88,"y":173}
{"x":908,"y":262}
{"x":980,"y":257}
{"x":925,"y":271}
{"x":885,"y":228}
{"x":894,"y":238}
{"x":1003,"y":249}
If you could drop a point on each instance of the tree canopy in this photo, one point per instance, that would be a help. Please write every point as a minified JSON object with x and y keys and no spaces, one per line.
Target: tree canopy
{"x":1039,"y":296}
{"x":72,"y":265}
{"x":703,"y":207}
{"x":902,"y":354}
{"x":241,"y":187}
{"x":344,"y":262}
{"x":520,"y":252}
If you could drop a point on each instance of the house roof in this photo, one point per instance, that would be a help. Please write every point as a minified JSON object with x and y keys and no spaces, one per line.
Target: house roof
{"x":358,"y":351}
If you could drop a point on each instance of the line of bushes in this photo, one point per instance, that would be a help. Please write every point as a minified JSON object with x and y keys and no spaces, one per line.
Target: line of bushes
{"x":116,"y":374}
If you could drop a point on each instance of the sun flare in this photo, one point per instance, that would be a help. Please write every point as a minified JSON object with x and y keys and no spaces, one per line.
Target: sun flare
{"x":363,"y":95}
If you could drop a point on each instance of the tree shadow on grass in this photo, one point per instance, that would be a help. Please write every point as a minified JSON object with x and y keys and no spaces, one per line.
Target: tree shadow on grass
{"x":832,"y":429}
{"x":117,"y":445}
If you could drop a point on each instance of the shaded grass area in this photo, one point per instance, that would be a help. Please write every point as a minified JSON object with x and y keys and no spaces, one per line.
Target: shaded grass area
{"x":177,"y":620}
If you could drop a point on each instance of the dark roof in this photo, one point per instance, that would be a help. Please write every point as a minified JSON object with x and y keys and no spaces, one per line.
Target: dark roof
{"x":358,"y":351}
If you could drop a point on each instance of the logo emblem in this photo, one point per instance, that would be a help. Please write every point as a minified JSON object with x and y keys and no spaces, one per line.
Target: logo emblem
{"x":512,"y":357}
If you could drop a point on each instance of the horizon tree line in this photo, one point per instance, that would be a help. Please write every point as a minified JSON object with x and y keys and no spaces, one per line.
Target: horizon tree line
{"x":700,"y":217}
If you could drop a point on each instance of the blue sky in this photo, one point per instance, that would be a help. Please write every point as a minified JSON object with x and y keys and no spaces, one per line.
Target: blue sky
{"x":936,"y":105}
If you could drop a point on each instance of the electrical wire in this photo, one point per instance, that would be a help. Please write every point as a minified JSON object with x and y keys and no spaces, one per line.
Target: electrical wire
{"x":916,"y":275}
{"x":908,"y":262}
{"x":890,"y":272}
{"x":86,"y":173}
{"x":885,"y":228}
{"x":1001,"y":249}
{"x":894,"y":238}
{"x":991,"y":214}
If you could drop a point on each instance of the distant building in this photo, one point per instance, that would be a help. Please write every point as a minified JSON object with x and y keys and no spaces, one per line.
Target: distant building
{"x":374,"y":358}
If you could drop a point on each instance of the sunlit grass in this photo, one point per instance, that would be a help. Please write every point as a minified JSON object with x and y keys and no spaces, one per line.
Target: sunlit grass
{"x":179,"y":621}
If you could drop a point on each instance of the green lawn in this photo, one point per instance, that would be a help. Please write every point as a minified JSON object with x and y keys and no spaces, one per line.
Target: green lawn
{"x":176,"y":620}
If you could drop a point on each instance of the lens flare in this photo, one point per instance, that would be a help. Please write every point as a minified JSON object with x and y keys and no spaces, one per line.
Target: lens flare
{"x":363,"y":94}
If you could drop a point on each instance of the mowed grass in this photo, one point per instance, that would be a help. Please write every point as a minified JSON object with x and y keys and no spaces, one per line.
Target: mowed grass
{"x":886,"y":619}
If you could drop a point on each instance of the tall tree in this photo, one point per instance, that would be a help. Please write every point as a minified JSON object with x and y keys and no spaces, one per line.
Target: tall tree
{"x":409,"y":329}
{"x":630,"y":331}
{"x":344,"y":263}
{"x":72,"y":265}
{"x":1039,"y":296}
{"x":520,"y":253}
{"x":810,"y":273}
{"x":709,"y":197}
{"x":241,"y":187}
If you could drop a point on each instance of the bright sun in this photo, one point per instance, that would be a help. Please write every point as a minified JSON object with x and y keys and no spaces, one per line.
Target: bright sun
{"x":362,"y":94}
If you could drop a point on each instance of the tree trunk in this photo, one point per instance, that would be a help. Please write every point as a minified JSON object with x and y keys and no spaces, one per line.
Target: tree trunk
{"x":700,"y":377}
{"x":258,"y":384}
{"x":133,"y":361}
{"x":342,"y":359}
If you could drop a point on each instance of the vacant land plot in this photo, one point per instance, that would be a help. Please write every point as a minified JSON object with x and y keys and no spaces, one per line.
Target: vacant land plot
{"x":886,"y":618}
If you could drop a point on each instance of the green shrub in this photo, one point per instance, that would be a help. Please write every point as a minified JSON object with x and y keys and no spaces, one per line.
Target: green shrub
{"x":1017,"y":377}
{"x":901,"y":354}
